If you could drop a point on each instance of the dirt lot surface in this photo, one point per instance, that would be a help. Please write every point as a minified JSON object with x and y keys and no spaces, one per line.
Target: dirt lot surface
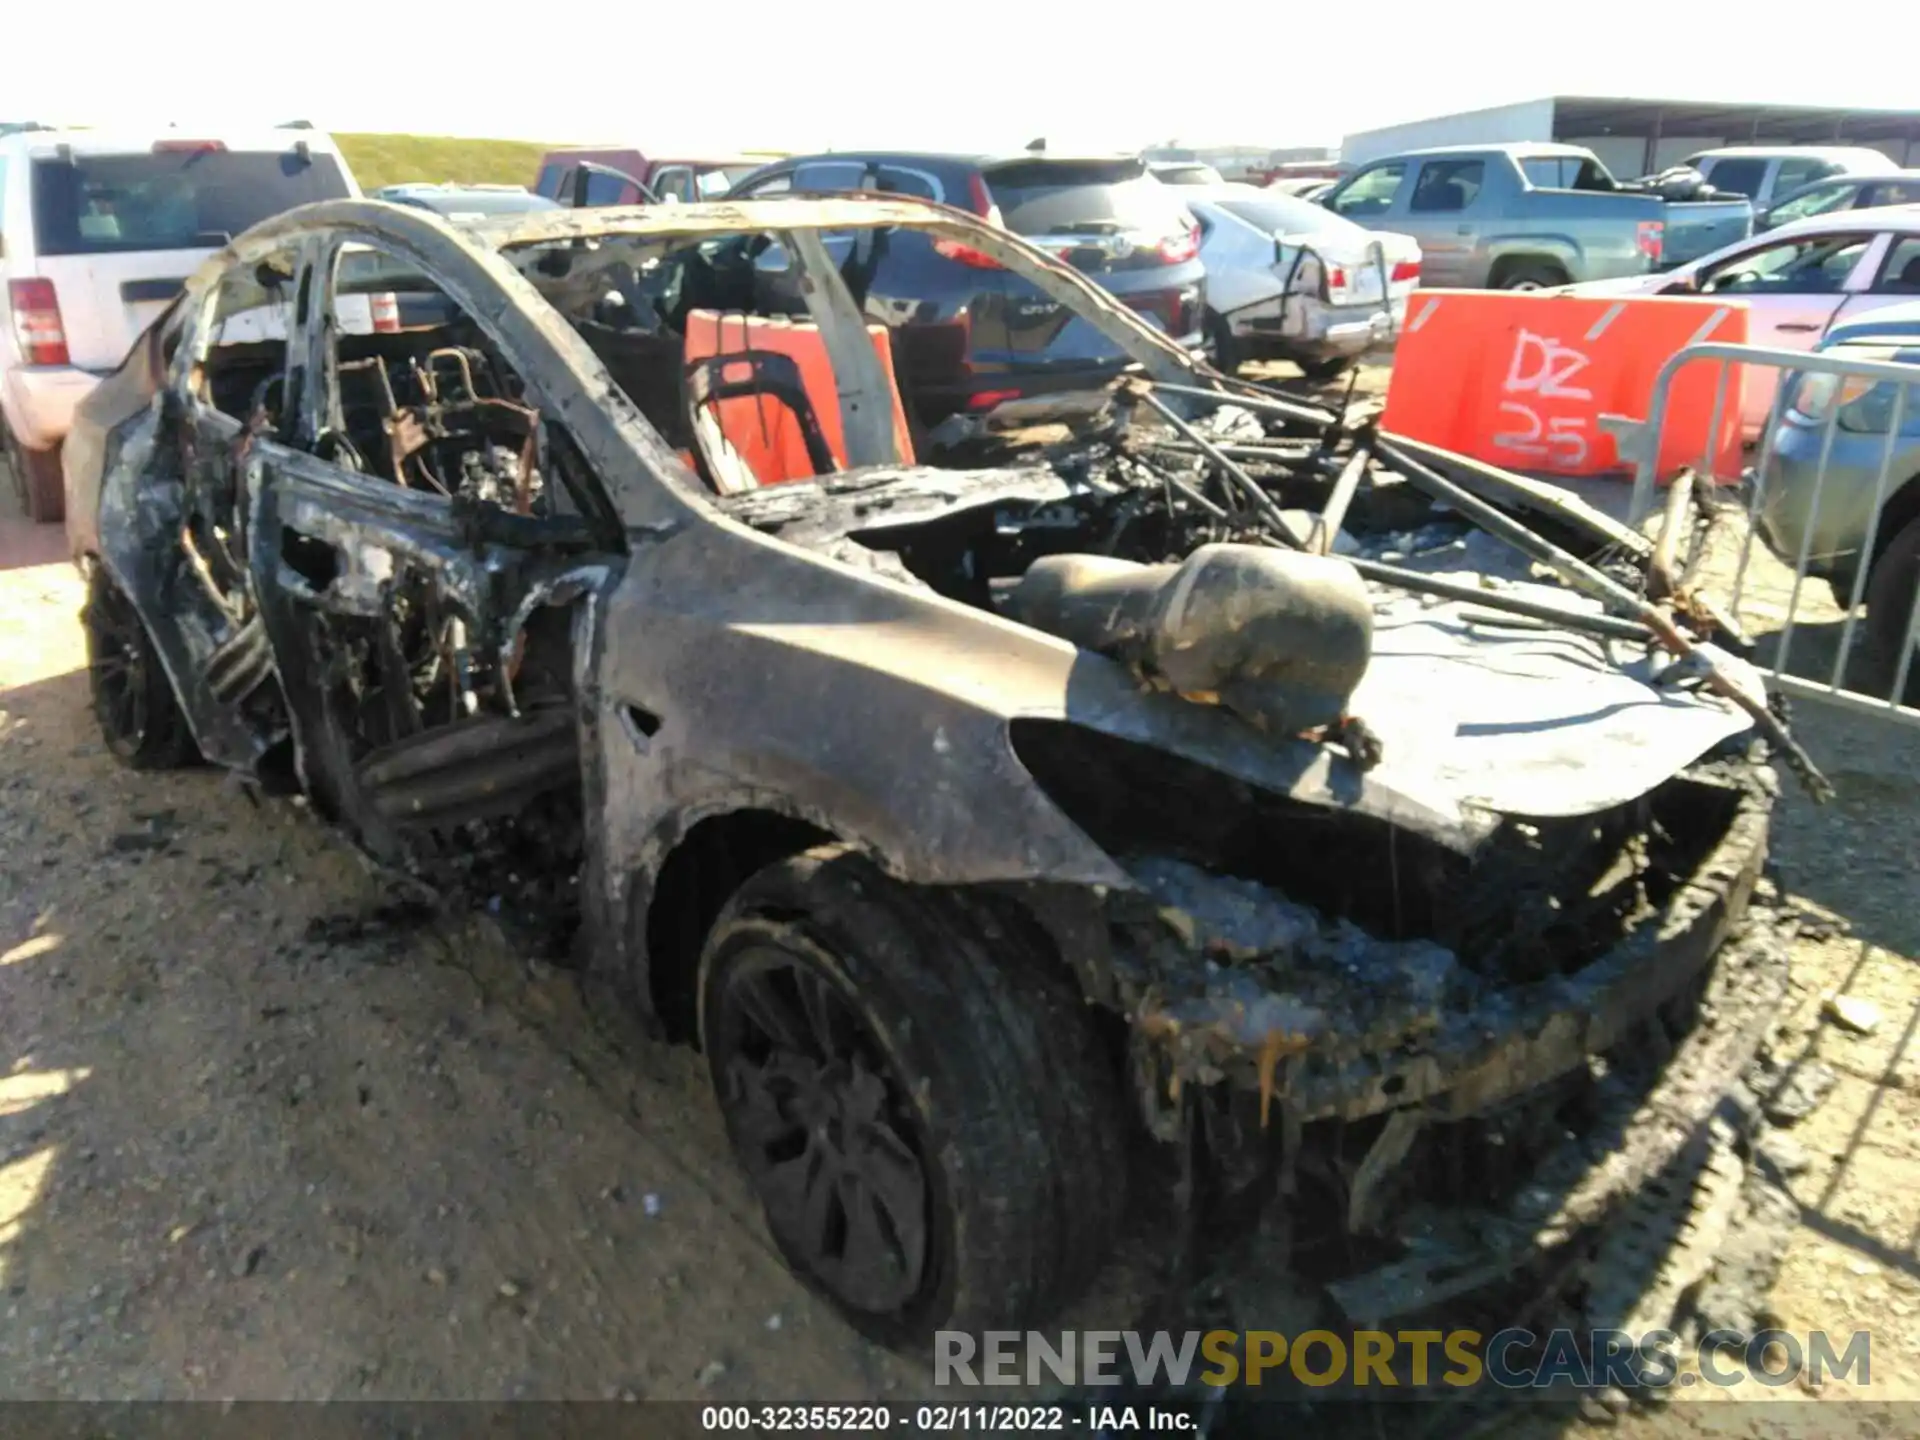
{"x":258,"y":1141}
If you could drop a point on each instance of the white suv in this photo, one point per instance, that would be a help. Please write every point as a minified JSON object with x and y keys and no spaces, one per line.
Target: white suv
{"x":97,"y":233}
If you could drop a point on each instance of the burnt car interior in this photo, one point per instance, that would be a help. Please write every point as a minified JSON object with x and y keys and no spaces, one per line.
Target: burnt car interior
{"x":453,"y":664}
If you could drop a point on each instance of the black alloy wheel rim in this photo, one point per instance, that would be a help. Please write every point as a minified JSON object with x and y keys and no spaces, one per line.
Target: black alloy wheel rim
{"x":823,"y":1130}
{"x":118,"y":670}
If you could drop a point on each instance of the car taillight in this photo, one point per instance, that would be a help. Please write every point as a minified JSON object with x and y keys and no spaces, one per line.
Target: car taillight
{"x":1405,"y":270}
{"x":989,"y":399}
{"x":966,"y":255}
{"x":1178,"y":249}
{"x":1650,"y":239}
{"x":386,"y":313}
{"x":36,"y":322}
{"x":1336,"y":281}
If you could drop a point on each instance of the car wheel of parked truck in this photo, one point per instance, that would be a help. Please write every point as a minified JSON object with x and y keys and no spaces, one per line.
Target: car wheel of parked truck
{"x":917,"y":1093}
{"x":1227,"y":354}
{"x":1323,"y":372}
{"x":132,"y":699}
{"x":37,"y":481}
{"x":1890,"y":592}
{"x":1527,"y":275}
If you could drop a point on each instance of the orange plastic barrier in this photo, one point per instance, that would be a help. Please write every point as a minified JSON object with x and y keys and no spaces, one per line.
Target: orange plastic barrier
{"x":1521,"y":380}
{"x":768,"y":433}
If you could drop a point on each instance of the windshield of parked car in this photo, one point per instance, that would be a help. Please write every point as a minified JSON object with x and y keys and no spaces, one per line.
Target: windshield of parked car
{"x":1055,"y":197}
{"x":1284,"y":215}
{"x":1816,"y":266}
{"x":170,"y":199}
{"x":1816,"y":201}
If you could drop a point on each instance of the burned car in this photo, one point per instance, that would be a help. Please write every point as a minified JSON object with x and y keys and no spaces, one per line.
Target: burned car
{"x":1000,"y":831}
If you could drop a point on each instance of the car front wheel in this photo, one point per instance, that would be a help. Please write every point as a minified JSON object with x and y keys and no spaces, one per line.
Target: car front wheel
{"x":920,"y":1101}
{"x":1890,"y":588}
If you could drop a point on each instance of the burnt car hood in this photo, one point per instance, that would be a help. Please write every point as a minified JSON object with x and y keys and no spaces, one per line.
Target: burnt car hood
{"x":1476,"y":717}
{"x":1524,"y":723}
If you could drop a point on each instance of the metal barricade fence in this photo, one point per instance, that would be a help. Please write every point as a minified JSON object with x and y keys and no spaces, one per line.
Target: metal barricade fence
{"x":1826,"y":499}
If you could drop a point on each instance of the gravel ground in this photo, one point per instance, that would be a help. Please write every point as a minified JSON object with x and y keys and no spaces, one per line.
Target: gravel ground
{"x":259,"y":1140}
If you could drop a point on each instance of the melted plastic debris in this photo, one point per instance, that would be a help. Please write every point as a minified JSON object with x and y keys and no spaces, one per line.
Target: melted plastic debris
{"x":1279,"y":974}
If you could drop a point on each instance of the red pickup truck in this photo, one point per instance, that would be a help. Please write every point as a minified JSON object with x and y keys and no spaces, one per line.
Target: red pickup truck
{"x":629,"y":177}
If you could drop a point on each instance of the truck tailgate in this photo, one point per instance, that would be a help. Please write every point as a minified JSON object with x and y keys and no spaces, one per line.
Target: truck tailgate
{"x":1697,"y":228}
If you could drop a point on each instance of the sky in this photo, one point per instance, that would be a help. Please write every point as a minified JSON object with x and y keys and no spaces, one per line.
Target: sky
{"x":982,"y":74}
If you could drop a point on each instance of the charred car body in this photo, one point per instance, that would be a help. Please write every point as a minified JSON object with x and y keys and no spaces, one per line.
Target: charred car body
{"x":975,"y":822}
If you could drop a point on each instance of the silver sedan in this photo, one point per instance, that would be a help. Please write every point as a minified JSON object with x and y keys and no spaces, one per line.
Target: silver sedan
{"x":1287,"y":280}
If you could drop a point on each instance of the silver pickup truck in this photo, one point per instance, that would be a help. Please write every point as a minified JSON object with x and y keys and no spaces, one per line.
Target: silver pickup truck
{"x":1526,"y":217}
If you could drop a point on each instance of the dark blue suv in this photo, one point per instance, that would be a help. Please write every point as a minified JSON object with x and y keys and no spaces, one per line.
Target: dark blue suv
{"x":968,"y":337}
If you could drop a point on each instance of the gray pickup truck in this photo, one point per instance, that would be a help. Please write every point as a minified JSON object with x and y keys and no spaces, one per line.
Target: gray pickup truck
{"x":1527,"y":217}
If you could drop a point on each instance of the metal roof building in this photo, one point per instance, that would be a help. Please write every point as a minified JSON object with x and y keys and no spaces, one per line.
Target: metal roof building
{"x":1638,"y":137}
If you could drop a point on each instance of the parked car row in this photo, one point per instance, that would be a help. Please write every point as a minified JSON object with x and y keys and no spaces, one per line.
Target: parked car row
{"x":467,"y":202}
{"x":617,"y":176}
{"x":1232,"y":269}
{"x":1797,"y":282}
{"x":1768,"y":175}
{"x":100,"y":231}
{"x":1529,"y":217}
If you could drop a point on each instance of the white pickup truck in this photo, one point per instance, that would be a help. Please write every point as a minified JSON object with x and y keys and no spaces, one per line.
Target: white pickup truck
{"x":98,"y":231}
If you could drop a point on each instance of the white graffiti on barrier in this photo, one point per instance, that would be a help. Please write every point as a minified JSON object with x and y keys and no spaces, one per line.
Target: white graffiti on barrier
{"x":1542,"y":366}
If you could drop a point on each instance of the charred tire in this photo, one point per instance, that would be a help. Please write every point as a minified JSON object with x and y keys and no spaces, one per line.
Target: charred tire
{"x":1530,"y":275}
{"x":918,"y":1097}
{"x":133,"y":700}
{"x":1890,"y":591}
{"x":37,"y":480}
